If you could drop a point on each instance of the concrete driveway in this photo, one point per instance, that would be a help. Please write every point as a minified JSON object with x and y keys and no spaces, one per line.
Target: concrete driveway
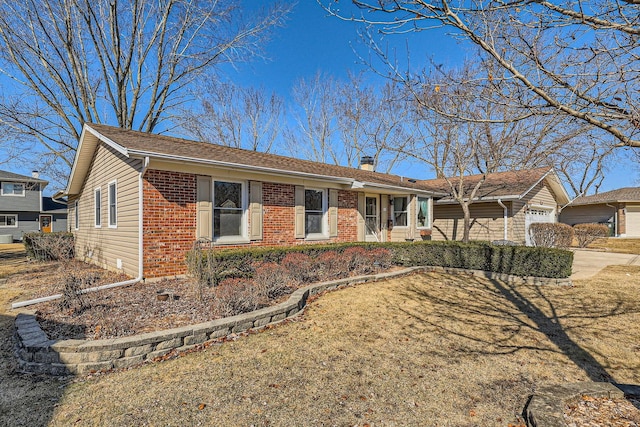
{"x":589,"y":263}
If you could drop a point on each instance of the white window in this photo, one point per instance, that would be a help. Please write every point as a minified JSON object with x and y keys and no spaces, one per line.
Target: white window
{"x":113,"y":206}
{"x":76,"y":214}
{"x":229,"y":205}
{"x":315,"y":210}
{"x":12,"y":189}
{"x":10,"y":220}
{"x":97,"y":207}
{"x":400,"y":213}
{"x":423,"y":213}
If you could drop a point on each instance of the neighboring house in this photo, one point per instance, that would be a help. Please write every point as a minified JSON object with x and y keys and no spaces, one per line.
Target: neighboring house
{"x":138,"y":202}
{"x":23,"y":209}
{"x":619,"y":209}
{"x":504,"y":207}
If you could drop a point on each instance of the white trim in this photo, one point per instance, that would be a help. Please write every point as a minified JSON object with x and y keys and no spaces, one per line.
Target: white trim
{"x":115,"y":184}
{"x":393,"y":211}
{"x":243,"y":238}
{"x":97,"y":216}
{"x":324,"y":234}
{"x":10,"y":226}
{"x":429,"y":212}
{"x":24,"y":189}
{"x":119,"y":148}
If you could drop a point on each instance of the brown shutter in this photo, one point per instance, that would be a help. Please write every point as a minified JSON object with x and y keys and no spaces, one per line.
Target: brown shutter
{"x":255,"y":210}
{"x":333,"y":213}
{"x":204,"y":209}
{"x":361,"y":213}
{"x":299,"y":212}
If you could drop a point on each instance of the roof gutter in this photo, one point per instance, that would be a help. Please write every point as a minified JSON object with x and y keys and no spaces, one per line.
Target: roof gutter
{"x":353,"y":183}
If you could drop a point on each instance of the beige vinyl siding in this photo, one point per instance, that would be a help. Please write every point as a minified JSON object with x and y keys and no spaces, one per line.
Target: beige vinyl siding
{"x":487,"y":221}
{"x":104,"y":246}
{"x":539,"y":197}
{"x":400,"y":234}
{"x":586,"y":214}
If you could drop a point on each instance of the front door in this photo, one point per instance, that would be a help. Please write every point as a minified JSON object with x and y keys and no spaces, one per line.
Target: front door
{"x":372,"y":219}
{"x":46,"y":223}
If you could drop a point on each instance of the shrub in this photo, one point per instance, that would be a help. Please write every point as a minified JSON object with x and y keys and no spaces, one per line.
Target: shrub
{"x":551,"y":235}
{"x":209,"y":268}
{"x":300,"y":267}
{"x":49,"y":246}
{"x":588,"y":233}
{"x":272,"y":280}
{"x":381,"y":257}
{"x":357,"y":260}
{"x":75,"y":282}
{"x":236,"y":296}
{"x":330,"y":265}
{"x":241,"y":263}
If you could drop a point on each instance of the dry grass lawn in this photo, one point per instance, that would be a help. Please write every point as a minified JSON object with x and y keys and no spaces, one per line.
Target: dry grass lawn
{"x":12,"y":259}
{"x":25,"y":400}
{"x":620,"y":245}
{"x":423,"y":350}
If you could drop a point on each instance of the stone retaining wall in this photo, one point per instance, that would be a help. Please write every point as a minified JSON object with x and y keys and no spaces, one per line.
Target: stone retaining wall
{"x":36,"y":353}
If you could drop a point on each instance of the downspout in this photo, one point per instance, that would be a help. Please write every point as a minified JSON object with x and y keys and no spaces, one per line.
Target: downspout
{"x":505,"y":217}
{"x":615,"y":219}
{"x":145,"y":165}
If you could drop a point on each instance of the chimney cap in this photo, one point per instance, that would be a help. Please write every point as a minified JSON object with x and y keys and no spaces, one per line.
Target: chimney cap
{"x":366,"y":160}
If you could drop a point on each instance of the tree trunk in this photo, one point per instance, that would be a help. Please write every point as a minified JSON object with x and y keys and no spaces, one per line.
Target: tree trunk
{"x":467,"y":221}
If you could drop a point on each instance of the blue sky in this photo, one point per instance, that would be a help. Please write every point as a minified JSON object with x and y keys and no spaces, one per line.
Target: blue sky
{"x":312,"y":42}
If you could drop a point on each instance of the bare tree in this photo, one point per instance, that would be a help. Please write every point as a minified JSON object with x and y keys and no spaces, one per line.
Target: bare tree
{"x":580,"y":58}
{"x":375,"y":121}
{"x":124,"y":62}
{"x":315,"y":117}
{"x":341,"y":121}
{"x":235,"y":116}
{"x":470,"y":128}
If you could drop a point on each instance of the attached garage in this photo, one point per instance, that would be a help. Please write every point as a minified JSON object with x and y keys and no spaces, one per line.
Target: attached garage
{"x":620,"y":209}
{"x":632,"y":220}
{"x":533,"y":215}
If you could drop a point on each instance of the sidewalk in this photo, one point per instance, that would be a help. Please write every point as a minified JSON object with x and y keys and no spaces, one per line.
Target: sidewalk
{"x":589,"y":263}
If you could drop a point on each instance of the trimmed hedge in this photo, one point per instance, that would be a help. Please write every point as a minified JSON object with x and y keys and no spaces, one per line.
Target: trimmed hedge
{"x":515,"y":260}
{"x":49,"y":246}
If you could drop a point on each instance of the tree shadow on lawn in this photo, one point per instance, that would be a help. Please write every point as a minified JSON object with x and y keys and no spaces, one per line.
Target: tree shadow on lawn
{"x":25,"y":399}
{"x":492,"y":317}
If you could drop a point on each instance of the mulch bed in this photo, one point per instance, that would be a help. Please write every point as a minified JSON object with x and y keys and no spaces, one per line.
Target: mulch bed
{"x":122,"y":311}
{"x":603,"y":412}
{"x":127,"y":310}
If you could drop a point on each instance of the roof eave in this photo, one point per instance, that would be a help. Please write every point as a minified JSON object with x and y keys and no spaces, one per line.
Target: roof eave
{"x":82,"y":159}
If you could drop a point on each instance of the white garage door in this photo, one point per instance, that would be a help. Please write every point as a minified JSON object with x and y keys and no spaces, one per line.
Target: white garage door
{"x":536,"y":215}
{"x":632,"y":220}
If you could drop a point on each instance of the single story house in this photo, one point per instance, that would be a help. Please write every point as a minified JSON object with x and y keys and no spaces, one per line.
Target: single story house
{"x":505,"y":205}
{"x":23,"y":209}
{"x":620,"y":209}
{"x":138,"y":202}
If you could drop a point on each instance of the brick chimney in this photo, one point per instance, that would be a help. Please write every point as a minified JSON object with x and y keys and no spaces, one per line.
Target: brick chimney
{"x":366,"y":163}
{"x":35,"y":174}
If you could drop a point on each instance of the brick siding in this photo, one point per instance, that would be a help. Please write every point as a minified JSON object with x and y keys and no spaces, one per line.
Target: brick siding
{"x":169,"y":221}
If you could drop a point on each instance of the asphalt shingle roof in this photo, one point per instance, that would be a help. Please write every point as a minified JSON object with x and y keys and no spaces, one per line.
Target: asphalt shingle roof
{"x":4,"y":175}
{"x":142,"y":142}
{"x":498,"y":184}
{"x":626,"y":194}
